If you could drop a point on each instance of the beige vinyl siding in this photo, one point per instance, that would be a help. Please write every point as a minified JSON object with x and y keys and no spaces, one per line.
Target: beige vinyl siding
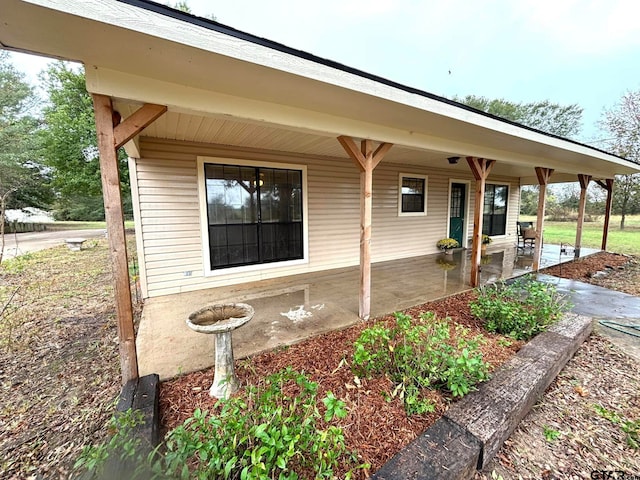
{"x":395,"y":236}
{"x":169,"y":212}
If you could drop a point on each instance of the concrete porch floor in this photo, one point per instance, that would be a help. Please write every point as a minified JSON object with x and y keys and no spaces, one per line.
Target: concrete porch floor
{"x":290,"y":309}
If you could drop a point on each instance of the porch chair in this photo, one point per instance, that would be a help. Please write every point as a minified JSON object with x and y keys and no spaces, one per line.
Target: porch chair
{"x":526,"y":235}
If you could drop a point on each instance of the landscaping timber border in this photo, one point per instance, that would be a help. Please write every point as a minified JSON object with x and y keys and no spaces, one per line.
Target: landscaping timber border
{"x":472,"y":431}
{"x":143,"y":394}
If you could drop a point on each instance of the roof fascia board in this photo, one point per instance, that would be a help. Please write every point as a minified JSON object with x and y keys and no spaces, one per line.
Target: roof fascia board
{"x":191,"y":100}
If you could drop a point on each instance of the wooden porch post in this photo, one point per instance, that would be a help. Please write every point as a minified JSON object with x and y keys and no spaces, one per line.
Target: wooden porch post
{"x":367,"y":160}
{"x":584,"y":184}
{"x":608,"y":186}
{"x":111,"y":136}
{"x":480,"y":168}
{"x":544,"y":174}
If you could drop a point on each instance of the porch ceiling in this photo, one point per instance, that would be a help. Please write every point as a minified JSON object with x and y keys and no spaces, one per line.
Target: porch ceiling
{"x":262,"y":136}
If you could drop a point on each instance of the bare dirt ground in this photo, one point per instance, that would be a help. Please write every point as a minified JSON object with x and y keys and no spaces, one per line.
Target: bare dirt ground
{"x":59,"y":378}
{"x":59,"y":369}
{"x":567,"y":435}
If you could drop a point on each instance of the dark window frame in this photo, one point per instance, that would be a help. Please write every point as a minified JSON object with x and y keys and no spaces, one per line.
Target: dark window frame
{"x":412,"y":204}
{"x":254,"y":223}
{"x":494,"y":218}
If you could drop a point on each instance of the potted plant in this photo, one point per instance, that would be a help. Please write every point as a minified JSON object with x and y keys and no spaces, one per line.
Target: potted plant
{"x":486,"y":240}
{"x":447,"y":244}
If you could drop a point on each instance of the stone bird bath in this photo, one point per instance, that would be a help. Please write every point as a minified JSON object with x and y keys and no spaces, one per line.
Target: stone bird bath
{"x":220,"y":320}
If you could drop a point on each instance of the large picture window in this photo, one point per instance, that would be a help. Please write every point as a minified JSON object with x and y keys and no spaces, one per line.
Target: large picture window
{"x":413,"y":194}
{"x":254,"y":214}
{"x":494,"y":220}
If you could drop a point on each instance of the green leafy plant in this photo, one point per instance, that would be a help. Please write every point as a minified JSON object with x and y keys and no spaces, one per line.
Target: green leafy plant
{"x":418,"y":355}
{"x":550,"y":435}
{"x":270,"y":430}
{"x":486,"y":239}
{"x":447,"y":244}
{"x":335,"y":407}
{"x":123,"y":445}
{"x":520,"y":309}
{"x":606,"y":413}
{"x":631,"y":428}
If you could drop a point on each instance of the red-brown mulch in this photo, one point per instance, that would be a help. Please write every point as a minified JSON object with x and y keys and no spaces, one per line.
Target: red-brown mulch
{"x":583,"y":269}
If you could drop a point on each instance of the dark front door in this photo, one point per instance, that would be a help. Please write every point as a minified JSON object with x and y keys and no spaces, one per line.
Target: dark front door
{"x":456,"y":211}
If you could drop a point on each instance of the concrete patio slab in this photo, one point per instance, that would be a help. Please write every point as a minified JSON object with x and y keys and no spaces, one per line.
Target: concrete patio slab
{"x":294,"y":308}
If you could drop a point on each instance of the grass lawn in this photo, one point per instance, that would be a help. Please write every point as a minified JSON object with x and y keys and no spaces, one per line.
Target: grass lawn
{"x":619,"y":241}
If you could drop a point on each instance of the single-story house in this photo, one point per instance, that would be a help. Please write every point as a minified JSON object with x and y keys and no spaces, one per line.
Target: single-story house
{"x":252,"y":160}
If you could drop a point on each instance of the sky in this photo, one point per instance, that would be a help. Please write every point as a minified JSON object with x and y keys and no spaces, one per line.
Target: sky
{"x":566,"y":51}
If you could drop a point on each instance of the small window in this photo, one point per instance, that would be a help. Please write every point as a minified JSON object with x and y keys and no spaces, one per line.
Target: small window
{"x":412,"y":198}
{"x":494,"y":221}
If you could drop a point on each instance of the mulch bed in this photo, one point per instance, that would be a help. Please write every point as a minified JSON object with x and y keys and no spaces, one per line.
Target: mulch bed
{"x":586,"y":268}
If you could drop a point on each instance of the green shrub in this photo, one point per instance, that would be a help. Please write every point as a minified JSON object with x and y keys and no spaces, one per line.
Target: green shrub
{"x":123,"y":445}
{"x":269,"y":430}
{"x":266,"y":432}
{"x":418,"y":355}
{"x":520,"y":309}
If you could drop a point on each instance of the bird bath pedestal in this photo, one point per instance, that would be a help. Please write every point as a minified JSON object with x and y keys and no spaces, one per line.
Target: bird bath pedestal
{"x":220,"y":320}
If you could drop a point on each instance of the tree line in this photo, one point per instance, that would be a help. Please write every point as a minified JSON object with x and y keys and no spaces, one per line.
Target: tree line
{"x":49,"y":154}
{"x":619,"y":124}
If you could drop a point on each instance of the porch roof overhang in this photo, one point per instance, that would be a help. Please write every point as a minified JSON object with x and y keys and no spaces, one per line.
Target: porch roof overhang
{"x":256,"y":93}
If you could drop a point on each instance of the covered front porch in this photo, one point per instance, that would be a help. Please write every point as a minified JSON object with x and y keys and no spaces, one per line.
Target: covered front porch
{"x":293,"y":308}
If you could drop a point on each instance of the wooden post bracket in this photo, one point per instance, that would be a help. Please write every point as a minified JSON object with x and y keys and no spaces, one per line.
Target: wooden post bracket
{"x":480,"y":167}
{"x":134,"y":124}
{"x":544,"y":175}
{"x":367,"y":160}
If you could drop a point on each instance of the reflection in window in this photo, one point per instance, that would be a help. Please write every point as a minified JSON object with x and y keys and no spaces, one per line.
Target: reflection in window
{"x":254,"y":214}
{"x":494,"y":220}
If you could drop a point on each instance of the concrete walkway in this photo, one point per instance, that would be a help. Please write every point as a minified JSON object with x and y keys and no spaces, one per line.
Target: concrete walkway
{"x":21,"y":243}
{"x":603,"y":304}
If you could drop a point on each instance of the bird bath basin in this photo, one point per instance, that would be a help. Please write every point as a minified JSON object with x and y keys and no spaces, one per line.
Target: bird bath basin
{"x":220,"y":320}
